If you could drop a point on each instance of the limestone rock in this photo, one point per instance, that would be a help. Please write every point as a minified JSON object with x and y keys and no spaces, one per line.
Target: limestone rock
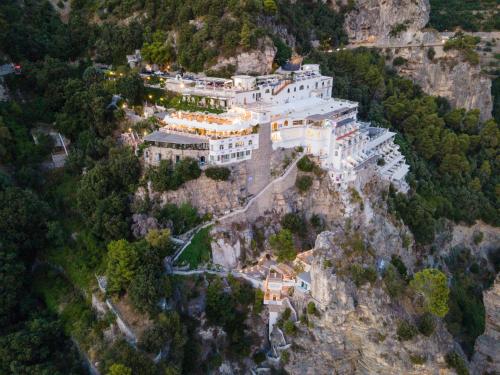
{"x":355,"y":332}
{"x":258,"y":61}
{"x":373,"y":20}
{"x":486,"y":358}
{"x":225,"y":253}
{"x":449,"y":76}
{"x":142,"y":224}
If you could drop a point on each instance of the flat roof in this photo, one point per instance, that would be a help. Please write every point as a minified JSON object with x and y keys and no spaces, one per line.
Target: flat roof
{"x":161,"y":136}
{"x":306,"y":276}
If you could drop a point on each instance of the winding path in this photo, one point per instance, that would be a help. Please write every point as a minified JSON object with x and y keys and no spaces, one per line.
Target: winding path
{"x":241,"y":210}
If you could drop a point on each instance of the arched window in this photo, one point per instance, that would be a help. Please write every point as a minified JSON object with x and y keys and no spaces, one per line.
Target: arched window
{"x":301,"y":87}
{"x":285,"y":123}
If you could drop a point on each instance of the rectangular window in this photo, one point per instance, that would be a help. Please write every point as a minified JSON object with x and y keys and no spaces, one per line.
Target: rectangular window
{"x":230,"y":145}
{"x":248,"y":152}
{"x":221,"y":147}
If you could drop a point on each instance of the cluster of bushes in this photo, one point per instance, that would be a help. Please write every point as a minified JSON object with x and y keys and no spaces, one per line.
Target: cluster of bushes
{"x":283,"y":246}
{"x":303,"y":183}
{"x":180,"y":218}
{"x":407,"y":331}
{"x":361,"y":275}
{"x":169,"y":176}
{"x":137,"y":268}
{"x":475,"y":15}
{"x":218,"y":173}
{"x":465,"y":44}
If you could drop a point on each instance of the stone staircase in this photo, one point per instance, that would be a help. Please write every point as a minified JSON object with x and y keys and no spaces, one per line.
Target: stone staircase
{"x":259,"y":170}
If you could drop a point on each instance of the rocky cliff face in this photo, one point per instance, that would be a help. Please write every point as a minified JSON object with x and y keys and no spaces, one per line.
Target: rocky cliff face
{"x":356,"y":329}
{"x":373,"y":20}
{"x":258,"y":61}
{"x":449,"y":76}
{"x":486,"y":359}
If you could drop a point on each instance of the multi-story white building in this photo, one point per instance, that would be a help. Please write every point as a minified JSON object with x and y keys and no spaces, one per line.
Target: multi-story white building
{"x":294,"y":107}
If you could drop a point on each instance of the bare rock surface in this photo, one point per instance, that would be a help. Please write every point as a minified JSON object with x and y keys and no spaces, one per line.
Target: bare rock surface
{"x":257,"y":61}
{"x":486,"y":358}
{"x":373,"y":20}
{"x":450,"y":76}
{"x":355,"y":332}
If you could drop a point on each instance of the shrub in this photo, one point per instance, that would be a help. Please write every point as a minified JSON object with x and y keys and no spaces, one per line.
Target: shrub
{"x":289,"y":328}
{"x":218,"y":173}
{"x":286,"y":314}
{"x":303,"y":183}
{"x":311,"y":308}
{"x":282,"y":244}
{"x":417,"y":359}
{"x":305,"y":164}
{"x":361,"y":275}
{"x":431,"y":284}
{"x":398,"y":61}
{"x":259,"y":357}
{"x":294,"y":223}
{"x":426,"y":325}
{"x":169,"y":177}
{"x":431,"y":53}
{"x":406,"y":330}
{"x":400,"y":266}
{"x":285,"y":357}
{"x":456,"y":362}
{"x":394,"y":284}
{"x":478,"y":237}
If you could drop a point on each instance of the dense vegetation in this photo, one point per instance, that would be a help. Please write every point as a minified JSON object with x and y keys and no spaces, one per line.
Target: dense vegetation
{"x":471,"y":15}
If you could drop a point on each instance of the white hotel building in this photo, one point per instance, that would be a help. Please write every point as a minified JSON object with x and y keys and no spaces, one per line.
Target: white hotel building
{"x":288,"y":109}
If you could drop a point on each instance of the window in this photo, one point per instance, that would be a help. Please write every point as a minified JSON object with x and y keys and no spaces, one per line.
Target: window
{"x":301,"y":87}
{"x":275,"y":126}
{"x":221,"y":147}
{"x":288,"y":90}
{"x":316,"y":85}
{"x":230,"y":145}
{"x":233,"y":155}
{"x":159,"y":156}
{"x":285,"y":123}
{"x":248,"y":152}
{"x":267,"y":91}
{"x":250,"y":142}
{"x":294,"y":89}
{"x":177,"y":158}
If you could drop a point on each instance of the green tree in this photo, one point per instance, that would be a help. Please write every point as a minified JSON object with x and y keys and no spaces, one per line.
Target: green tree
{"x":282,"y":244}
{"x":131,"y":87}
{"x":146,"y":286}
{"x":159,"y":239}
{"x":119,"y":369}
{"x":122,"y":261}
{"x":245,"y":35}
{"x":431,"y":285}
{"x":270,"y":6}
{"x":11,"y":284}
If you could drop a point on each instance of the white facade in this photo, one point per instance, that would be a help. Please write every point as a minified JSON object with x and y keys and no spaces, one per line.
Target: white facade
{"x":299,"y":109}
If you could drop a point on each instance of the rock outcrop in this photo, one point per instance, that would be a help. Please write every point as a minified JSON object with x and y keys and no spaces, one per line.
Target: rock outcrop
{"x":356,"y":328}
{"x":373,"y":20}
{"x":486,"y":359}
{"x":449,"y":76}
{"x":257,"y":61}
